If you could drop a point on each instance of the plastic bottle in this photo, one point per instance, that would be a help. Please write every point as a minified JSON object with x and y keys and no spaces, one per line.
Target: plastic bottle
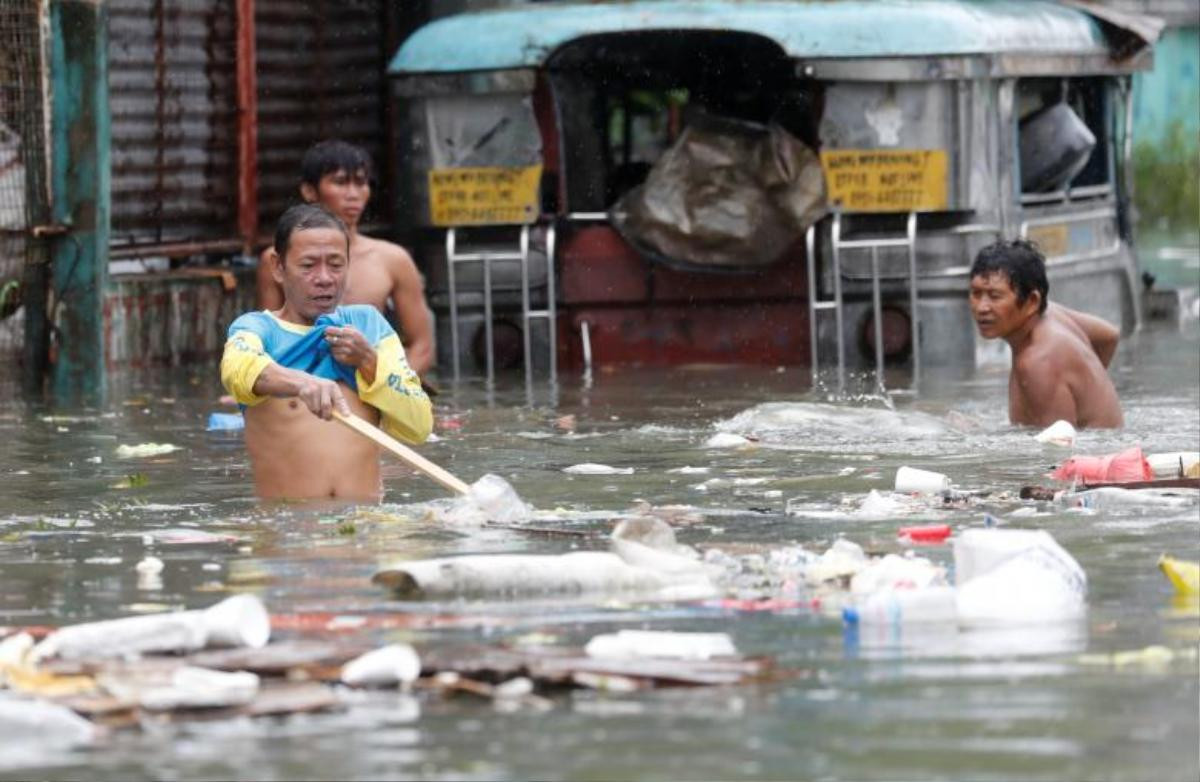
{"x":1172,"y":465}
{"x":1108,"y":497}
{"x":933,"y":604}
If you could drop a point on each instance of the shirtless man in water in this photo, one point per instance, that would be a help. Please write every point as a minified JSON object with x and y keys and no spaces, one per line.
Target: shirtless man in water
{"x":337,"y":176}
{"x":293,"y":367}
{"x":1059,"y":356}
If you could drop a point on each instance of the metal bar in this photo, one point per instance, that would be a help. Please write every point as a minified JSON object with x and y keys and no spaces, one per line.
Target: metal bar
{"x":867,"y":244}
{"x":247,"y":127}
{"x":487,"y":319}
{"x":914,"y":311}
{"x":810,"y":243}
{"x":837,"y":297}
{"x":1078,"y":217}
{"x":81,"y":143}
{"x":450,"y":241}
{"x":494,"y":256}
{"x":527,"y":341}
{"x":551,"y":305}
{"x":175,"y":249}
{"x":585,"y":337}
{"x":877,"y":306}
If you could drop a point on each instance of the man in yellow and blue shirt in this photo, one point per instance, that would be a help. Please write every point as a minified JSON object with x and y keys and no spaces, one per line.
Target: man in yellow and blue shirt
{"x":293,"y":367}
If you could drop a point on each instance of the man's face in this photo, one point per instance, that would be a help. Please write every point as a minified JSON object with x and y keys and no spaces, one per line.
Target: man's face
{"x":995,"y":308}
{"x":313,"y":276}
{"x":344,"y":193}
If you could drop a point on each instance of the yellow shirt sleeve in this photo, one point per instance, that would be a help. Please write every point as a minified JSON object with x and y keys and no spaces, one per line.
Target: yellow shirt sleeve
{"x":406,"y":411}
{"x":242,"y":362}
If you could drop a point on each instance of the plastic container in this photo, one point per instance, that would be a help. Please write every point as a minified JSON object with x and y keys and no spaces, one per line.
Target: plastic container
{"x":933,"y":604}
{"x":1172,"y":465}
{"x":1060,"y":433}
{"x":928,"y":533}
{"x":226,"y":422}
{"x":396,"y":664}
{"x":910,"y":480}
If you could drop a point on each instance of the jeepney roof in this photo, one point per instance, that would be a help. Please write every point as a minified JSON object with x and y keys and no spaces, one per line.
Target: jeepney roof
{"x":525,"y":36}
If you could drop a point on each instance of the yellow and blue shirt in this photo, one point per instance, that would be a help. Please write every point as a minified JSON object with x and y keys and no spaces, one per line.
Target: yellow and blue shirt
{"x":257,"y":339}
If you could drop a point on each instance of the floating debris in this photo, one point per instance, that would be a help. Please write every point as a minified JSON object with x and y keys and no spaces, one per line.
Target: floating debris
{"x":588,"y":468}
{"x":142,"y":450}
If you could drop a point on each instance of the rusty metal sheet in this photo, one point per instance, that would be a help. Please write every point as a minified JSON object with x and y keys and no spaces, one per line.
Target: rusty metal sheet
{"x":172,"y":84}
{"x":169,"y":319}
{"x":320,"y":75}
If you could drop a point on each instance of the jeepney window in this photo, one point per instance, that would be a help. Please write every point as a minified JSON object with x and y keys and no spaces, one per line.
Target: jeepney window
{"x":467,"y":131}
{"x":1064,"y":137}
{"x":625,"y":98}
{"x":641,"y":125}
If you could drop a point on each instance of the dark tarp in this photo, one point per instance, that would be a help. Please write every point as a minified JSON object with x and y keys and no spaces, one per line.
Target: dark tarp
{"x":727,"y":196}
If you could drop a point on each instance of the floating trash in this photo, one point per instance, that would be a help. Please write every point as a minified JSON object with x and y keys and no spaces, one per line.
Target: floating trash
{"x":145,"y":449}
{"x":396,"y":664}
{"x":640,"y":644}
{"x":588,"y":468}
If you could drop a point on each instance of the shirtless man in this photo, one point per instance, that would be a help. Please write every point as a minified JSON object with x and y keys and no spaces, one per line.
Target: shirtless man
{"x":292,"y":368}
{"x":337,"y":176}
{"x":1059,"y":356}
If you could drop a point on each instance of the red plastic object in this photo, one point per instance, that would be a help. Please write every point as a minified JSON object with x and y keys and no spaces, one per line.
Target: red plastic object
{"x":930,"y":533}
{"x":1122,"y":467}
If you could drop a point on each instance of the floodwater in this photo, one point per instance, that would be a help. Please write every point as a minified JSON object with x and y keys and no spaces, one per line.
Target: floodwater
{"x":1036,"y":703}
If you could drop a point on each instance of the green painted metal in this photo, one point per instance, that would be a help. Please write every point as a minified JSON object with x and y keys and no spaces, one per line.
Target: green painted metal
{"x":1170,"y":93}
{"x":527,"y":35}
{"x":79,"y":129}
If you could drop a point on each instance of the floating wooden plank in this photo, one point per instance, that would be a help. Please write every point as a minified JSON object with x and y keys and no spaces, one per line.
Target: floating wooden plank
{"x":558,"y":667}
{"x":1158,"y":483}
{"x":314,"y":658}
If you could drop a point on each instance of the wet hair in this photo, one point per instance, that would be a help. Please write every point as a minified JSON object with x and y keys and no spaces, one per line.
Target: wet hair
{"x":331,"y":156}
{"x":303,"y":217}
{"x":1021,"y":262}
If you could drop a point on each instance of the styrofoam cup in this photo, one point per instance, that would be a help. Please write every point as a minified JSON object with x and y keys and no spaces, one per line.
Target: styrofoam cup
{"x":910,"y":480}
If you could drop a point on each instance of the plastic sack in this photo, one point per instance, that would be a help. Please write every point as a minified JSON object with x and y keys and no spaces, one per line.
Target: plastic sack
{"x":1123,"y":467}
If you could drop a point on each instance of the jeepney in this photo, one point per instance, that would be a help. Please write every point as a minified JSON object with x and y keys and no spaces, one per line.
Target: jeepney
{"x":540,"y":142}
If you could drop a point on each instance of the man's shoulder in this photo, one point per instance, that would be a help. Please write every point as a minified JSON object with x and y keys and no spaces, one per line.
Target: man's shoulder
{"x":366,"y":318}
{"x":257,"y":321}
{"x":383,"y":250}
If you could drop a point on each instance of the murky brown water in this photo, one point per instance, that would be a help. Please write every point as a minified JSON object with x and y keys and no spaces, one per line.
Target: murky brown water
{"x":1015,"y":706}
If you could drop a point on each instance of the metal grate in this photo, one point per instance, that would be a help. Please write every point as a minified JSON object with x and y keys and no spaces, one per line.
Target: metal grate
{"x":23,"y":193}
{"x":320,"y":75}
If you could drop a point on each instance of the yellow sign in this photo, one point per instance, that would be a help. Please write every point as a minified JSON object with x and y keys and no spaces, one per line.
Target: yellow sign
{"x":886,"y":180}
{"x":1053,"y":240}
{"x":484,"y":196}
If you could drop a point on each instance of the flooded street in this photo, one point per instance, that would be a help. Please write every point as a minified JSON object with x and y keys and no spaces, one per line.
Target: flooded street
{"x":1030,"y":703}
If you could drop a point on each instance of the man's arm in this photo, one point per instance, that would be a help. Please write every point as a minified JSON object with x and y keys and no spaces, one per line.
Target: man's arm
{"x":270,"y":295}
{"x":408,"y":297}
{"x":250,"y":375}
{"x":1046,"y":396}
{"x":385,"y":380}
{"x":1102,"y":335}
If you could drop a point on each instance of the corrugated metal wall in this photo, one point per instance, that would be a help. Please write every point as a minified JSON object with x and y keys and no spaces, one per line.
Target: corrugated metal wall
{"x":321,"y":70}
{"x":172,"y":83}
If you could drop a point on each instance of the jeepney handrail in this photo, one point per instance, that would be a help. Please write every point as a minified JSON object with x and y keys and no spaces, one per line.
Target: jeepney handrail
{"x":1068,"y":195}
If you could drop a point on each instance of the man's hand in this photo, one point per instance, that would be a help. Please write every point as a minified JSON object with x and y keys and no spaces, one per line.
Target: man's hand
{"x":319,"y":395}
{"x":322,"y":397}
{"x":348,"y":346}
